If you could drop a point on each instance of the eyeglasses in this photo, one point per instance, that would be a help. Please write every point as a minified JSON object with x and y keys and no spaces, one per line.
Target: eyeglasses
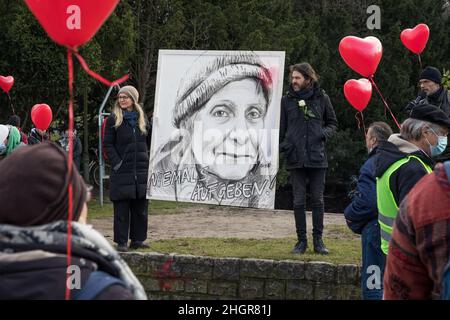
{"x":123,"y":97}
{"x":438,"y":133}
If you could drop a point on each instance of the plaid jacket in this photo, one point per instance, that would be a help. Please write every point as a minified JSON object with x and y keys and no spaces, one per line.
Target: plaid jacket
{"x":420,"y":245}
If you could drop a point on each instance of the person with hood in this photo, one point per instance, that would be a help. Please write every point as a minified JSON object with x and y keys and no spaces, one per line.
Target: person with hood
{"x":307,"y":121}
{"x":33,"y":234}
{"x":362,"y":215}
{"x":404,"y":159}
{"x":9,"y":140}
{"x":432,"y":92}
{"x":127,"y":145}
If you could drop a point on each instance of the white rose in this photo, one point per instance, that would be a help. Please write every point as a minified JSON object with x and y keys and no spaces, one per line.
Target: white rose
{"x":301,"y":103}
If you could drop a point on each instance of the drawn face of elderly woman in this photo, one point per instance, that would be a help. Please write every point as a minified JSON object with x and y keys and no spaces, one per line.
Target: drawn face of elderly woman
{"x":231,"y":121}
{"x":232,"y":101}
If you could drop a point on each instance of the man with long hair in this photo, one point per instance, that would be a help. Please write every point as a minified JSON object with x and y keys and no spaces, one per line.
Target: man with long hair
{"x":307,"y":121}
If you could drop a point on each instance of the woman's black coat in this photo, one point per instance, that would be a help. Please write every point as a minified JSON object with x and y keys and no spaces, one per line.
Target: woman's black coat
{"x":128,"y":154}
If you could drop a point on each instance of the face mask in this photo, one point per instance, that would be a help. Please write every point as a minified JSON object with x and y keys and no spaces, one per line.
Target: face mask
{"x":2,"y":149}
{"x":440,"y":147}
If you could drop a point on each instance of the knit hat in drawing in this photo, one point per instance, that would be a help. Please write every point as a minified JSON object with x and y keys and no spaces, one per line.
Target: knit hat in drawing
{"x":204,"y":81}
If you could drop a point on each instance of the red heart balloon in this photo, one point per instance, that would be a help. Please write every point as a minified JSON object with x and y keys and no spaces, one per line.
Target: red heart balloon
{"x":71,"y":22}
{"x":416,"y":39}
{"x":42,"y":116}
{"x":6,"y":83}
{"x":358,"y":93}
{"x":361,"y":55}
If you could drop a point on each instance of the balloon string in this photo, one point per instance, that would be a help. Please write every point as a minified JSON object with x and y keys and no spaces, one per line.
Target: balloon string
{"x":70,"y":169}
{"x":384,"y":101}
{"x":12,"y":105}
{"x":84,"y":65}
{"x":361,"y":122}
{"x":420,"y":62}
{"x":95,"y":75}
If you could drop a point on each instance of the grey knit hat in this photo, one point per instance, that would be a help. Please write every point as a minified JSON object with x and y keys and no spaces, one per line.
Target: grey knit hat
{"x":196,"y":89}
{"x":130,"y":91}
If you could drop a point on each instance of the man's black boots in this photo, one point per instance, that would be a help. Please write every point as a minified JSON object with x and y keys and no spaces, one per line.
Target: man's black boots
{"x":319,"y":246}
{"x":300,"y":226}
{"x":317,"y":217}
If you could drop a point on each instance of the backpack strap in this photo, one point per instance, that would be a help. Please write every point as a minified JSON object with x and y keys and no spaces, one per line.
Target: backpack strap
{"x":96,"y":283}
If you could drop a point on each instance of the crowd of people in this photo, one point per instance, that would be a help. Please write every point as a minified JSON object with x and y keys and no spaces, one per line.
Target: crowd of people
{"x":401,"y":205}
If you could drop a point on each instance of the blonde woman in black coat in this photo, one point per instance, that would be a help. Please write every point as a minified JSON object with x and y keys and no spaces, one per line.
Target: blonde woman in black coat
{"x":127,"y":142}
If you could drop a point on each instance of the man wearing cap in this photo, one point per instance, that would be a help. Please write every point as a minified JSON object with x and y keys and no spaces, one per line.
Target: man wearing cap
{"x":432,"y":92}
{"x":404,"y":159}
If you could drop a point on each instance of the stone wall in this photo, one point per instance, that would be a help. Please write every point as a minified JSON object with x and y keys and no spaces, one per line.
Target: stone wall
{"x":177,"y":277}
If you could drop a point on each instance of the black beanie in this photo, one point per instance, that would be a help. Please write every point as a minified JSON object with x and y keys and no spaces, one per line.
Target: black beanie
{"x":431,"y":73}
{"x":430,"y":113}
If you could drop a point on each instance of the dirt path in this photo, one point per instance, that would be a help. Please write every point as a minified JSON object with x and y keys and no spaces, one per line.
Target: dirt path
{"x":226,"y":222}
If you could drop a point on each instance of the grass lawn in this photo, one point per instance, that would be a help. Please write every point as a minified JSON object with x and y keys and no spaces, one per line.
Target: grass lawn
{"x":341,"y":251}
{"x":344,"y":246}
{"x":156,"y":207}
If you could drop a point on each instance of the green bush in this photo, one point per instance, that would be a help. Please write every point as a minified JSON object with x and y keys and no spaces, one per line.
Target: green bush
{"x":446,"y":79}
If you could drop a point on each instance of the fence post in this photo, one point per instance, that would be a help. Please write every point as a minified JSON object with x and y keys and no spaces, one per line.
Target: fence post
{"x":101,"y":163}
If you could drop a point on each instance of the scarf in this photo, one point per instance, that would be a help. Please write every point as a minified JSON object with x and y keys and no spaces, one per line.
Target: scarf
{"x":435,"y":98}
{"x":131,"y":117}
{"x":303,"y":94}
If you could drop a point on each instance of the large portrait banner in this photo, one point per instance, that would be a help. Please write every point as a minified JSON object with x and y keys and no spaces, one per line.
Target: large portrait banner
{"x":215,"y":127}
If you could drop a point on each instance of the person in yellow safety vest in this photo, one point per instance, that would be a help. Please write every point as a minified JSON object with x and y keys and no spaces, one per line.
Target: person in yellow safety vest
{"x":404,"y":159}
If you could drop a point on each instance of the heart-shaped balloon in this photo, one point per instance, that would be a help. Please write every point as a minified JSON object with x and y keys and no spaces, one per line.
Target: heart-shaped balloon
{"x":358,"y":93}
{"x":361,"y":55}
{"x":6,"y":83}
{"x":416,"y":39}
{"x":71,"y":22}
{"x":41,"y":115}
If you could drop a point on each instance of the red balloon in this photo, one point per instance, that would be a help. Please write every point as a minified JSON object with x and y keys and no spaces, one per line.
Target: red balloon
{"x":358,"y":93}
{"x":42,"y":116}
{"x":6,"y":83}
{"x":361,"y":55}
{"x":416,"y":39}
{"x":71,"y":22}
